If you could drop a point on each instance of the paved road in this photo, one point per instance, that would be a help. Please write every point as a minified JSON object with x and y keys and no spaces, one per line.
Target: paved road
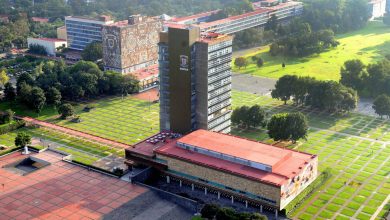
{"x":253,"y":84}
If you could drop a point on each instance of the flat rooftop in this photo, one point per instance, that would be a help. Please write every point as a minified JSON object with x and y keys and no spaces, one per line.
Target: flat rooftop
{"x":146,"y":73}
{"x":61,"y":191}
{"x":285,"y":163}
{"x":195,"y":16}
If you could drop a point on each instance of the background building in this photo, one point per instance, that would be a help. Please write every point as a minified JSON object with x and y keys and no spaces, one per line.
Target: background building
{"x":132,"y":44}
{"x":82,"y":31}
{"x":61,"y":33}
{"x":195,"y":80}
{"x":221,"y":165}
{"x":50,"y":44}
{"x":378,"y":8}
{"x":284,"y":11}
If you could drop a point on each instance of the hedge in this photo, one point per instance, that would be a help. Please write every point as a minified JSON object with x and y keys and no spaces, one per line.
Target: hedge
{"x":12,"y":127}
{"x":321,"y":179}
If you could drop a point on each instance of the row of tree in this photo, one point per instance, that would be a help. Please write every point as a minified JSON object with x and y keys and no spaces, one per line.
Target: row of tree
{"x":338,"y":15}
{"x":323,"y":95}
{"x":369,"y":80}
{"x":53,"y":81}
{"x":281,"y":127}
{"x":305,"y":43}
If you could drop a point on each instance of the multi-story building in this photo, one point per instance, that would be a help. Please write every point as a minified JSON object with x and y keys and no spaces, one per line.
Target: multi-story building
{"x":284,"y":10}
{"x":83,"y":31}
{"x":226,"y":167}
{"x":132,"y":44}
{"x":195,"y":80}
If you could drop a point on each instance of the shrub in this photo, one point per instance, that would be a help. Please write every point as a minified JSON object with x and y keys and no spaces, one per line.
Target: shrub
{"x":11,"y":127}
{"x":209,"y":211}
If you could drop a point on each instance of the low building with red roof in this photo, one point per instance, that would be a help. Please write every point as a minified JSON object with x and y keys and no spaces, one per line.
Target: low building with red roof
{"x":241,"y":169}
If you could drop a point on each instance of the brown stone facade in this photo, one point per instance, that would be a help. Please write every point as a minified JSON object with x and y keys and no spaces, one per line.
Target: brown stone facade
{"x":130,"y":47}
{"x":233,"y":181}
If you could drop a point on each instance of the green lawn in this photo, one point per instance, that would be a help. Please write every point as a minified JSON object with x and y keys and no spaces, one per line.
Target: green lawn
{"x":354,"y":147}
{"x":368,"y":44}
{"x":127,"y":120}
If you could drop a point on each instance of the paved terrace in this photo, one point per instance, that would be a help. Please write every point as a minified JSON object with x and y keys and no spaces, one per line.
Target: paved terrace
{"x":66,"y":191}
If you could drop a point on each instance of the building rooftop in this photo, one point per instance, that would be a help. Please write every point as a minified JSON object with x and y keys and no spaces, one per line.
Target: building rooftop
{"x":285,"y":163}
{"x":233,"y":18}
{"x":195,"y":16}
{"x":146,"y":73}
{"x":50,"y":39}
{"x":61,"y":191}
{"x":41,"y":20}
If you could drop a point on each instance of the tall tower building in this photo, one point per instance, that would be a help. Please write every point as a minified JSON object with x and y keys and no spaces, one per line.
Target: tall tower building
{"x":195,"y":80}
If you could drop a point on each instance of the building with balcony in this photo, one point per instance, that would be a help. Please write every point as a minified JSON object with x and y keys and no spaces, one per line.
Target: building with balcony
{"x":223,"y":166}
{"x":82,"y":31}
{"x":132,"y":44}
{"x":195,"y":80}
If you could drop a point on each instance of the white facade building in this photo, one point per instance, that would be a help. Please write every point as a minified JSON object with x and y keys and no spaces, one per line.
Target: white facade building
{"x":378,"y":8}
{"x":50,"y":44}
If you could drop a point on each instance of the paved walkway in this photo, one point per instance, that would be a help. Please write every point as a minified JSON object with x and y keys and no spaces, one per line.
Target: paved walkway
{"x":75,"y":133}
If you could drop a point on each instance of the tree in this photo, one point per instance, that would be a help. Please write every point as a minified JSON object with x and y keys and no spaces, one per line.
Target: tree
{"x":7,"y":116}
{"x":256,"y":116}
{"x":284,"y":88}
{"x":260,"y":62}
{"x":66,"y":110}
{"x":277,"y":129}
{"x":239,"y":116}
{"x":381,"y":105}
{"x":288,"y":126}
{"x":53,"y":96}
{"x":3,"y":78}
{"x":353,"y":74}
{"x":240,"y":62}
{"x":22,"y":139}
{"x":272,"y":23}
{"x":37,"y":99}
{"x":37,"y":49}
{"x":226,"y":214}
{"x":297,"y":126}
{"x":9,"y":92}
{"x":386,"y":19}
{"x":92,"y":52}
{"x":209,"y":211}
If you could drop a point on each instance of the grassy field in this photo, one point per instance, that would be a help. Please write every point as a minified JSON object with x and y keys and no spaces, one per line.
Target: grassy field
{"x":128,"y":120}
{"x":356,"y":148}
{"x":81,"y":150}
{"x":368,"y":44}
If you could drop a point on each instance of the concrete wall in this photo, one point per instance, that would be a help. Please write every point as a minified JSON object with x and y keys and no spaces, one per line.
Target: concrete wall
{"x":230,"y":180}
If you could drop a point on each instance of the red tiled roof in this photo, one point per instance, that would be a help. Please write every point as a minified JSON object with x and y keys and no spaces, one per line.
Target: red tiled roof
{"x":285,"y":163}
{"x":232,"y":18}
{"x":171,"y":150}
{"x":146,"y":73}
{"x":51,"y":39}
{"x":42,"y":20}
